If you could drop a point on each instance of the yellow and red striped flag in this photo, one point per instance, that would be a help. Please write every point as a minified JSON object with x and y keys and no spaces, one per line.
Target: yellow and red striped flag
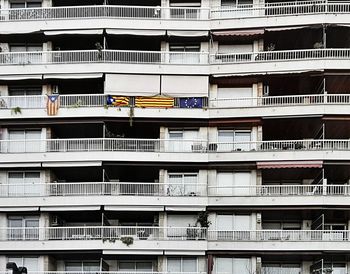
{"x":53,"y":104}
{"x":154,"y":102}
{"x":117,"y":101}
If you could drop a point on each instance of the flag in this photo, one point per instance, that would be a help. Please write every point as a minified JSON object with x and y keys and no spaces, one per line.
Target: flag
{"x":154,"y":102}
{"x":117,"y":101}
{"x":53,"y":104}
{"x":191,"y":102}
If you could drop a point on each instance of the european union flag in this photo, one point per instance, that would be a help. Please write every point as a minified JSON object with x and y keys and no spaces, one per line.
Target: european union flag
{"x":191,"y":102}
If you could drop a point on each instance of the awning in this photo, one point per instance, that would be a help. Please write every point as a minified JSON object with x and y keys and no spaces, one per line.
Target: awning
{"x":289,"y":164}
{"x":21,"y":77}
{"x":71,"y":164}
{"x":74,"y":32}
{"x":69,"y":208}
{"x":132,"y":252}
{"x":132,"y":84}
{"x":73,"y":75}
{"x":134,"y":208}
{"x":188,"y":33}
{"x":287,"y":28}
{"x":19,"y":209}
{"x":136,"y":32}
{"x":185,"y":86}
{"x":9,"y":165}
{"x":239,"y":33}
{"x":184,"y":253}
{"x":185,"y":208}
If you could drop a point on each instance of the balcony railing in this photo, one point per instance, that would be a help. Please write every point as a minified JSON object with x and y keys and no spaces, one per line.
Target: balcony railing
{"x":163,"y":57}
{"x":175,"y":13}
{"x":111,"y":233}
{"x":167,"y":145}
{"x":279,"y":235}
{"x":105,"y":11}
{"x":281,"y":270}
{"x":280,"y":9}
{"x":287,"y":100}
{"x":107,"y":272}
{"x":101,"y":188}
{"x":280,"y":55}
{"x":103,"y":56}
{"x":68,"y":101}
{"x":104,"y":233}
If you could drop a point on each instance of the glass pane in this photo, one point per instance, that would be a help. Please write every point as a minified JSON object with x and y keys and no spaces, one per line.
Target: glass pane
{"x":189,"y":265}
{"x":17,"y":5}
{"x":17,"y":260}
{"x":242,"y":137}
{"x":174,"y":265}
{"x":18,"y":137}
{"x":33,"y":4}
{"x":241,"y":266}
{"x":91,"y":266}
{"x":224,"y":265}
{"x":175,"y":187}
{"x":224,"y":183}
{"x":31,"y":264}
{"x":127,"y":266}
{"x":226,"y":138}
{"x":73,"y":266}
{"x":241,"y":183}
{"x":144,"y":266}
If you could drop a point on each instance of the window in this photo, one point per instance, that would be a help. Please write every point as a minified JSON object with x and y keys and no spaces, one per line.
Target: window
{"x":235,"y":97}
{"x":233,"y":265}
{"x":187,"y":10}
{"x":184,"y":54}
{"x":23,"y":227}
{"x":183,"y":140}
{"x":181,"y":225}
{"x":227,"y":224}
{"x":35,"y":55}
{"x":233,"y":8}
{"x":338,"y":268}
{"x":82,"y":266}
{"x":182,"y":184}
{"x":31,"y":263}
{"x":135,"y":266}
{"x":233,"y":183}
{"x":177,"y":265}
{"x":25,"y":4}
{"x":24,"y":183}
{"x":234,"y":140}
{"x":25,"y":97}
{"x":290,"y":268}
{"x":24,"y":140}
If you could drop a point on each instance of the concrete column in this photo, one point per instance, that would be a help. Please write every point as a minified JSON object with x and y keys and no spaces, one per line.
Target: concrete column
{"x":258,"y":221}
{"x":3,"y":91}
{"x":305,"y":267}
{"x":3,"y":224}
{"x":213,"y":94}
{"x":4,"y":47}
{"x":211,"y":181}
{"x":260,"y":133}
{"x":162,"y":264}
{"x":259,"y":179}
{"x":203,"y":181}
{"x":306,"y":225}
{"x":212,"y":134}
{"x":258,"y":265}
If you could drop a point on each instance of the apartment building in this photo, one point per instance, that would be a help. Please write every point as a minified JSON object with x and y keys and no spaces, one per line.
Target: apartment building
{"x":175,"y":136}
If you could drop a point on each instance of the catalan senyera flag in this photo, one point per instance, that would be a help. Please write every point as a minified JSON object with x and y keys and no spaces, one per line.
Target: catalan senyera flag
{"x":154,"y":102}
{"x":53,"y":104}
{"x":117,"y":101}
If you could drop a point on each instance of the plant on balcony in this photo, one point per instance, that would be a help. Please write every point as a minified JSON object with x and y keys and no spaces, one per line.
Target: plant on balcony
{"x":202,"y":219}
{"x":16,"y":110}
{"x":77,"y":104}
{"x":127,"y":240}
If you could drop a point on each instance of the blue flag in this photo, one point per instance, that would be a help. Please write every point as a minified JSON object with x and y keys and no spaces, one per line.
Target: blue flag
{"x":191,"y":102}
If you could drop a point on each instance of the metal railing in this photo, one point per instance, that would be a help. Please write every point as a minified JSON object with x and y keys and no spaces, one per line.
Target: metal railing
{"x":102,"y":56}
{"x":105,"y":233}
{"x":101,"y":188}
{"x":280,"y":9}
{"x":105,"y":11}
{"x":278,"y":235}
{"x":100,"y":100}
{"x":280,"y":270}
{"x":287,"y":100}
{"x":112,"y":233}
{"x":105,"y":272}
{"x":175,"y":13}
{"x":280,"y":55}
{"x":163,"y":57}
{"x":279,"y":190}
{"x":167,"y":145}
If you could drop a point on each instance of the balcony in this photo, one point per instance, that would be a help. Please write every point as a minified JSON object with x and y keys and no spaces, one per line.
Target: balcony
{"x":171,"y":150}
{"x":102,"y":188}
{"x":281,"y":14}
{"x":46,"y":62}
{"x":104,"y":238}
{"x":269,"y":106}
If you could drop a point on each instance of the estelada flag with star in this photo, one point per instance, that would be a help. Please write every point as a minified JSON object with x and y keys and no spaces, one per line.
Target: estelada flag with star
{"x":53,"y":104}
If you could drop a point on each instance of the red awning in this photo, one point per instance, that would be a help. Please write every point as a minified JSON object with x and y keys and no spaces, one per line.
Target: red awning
{"x":239,"y":33}
{"x":290,"y":164}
